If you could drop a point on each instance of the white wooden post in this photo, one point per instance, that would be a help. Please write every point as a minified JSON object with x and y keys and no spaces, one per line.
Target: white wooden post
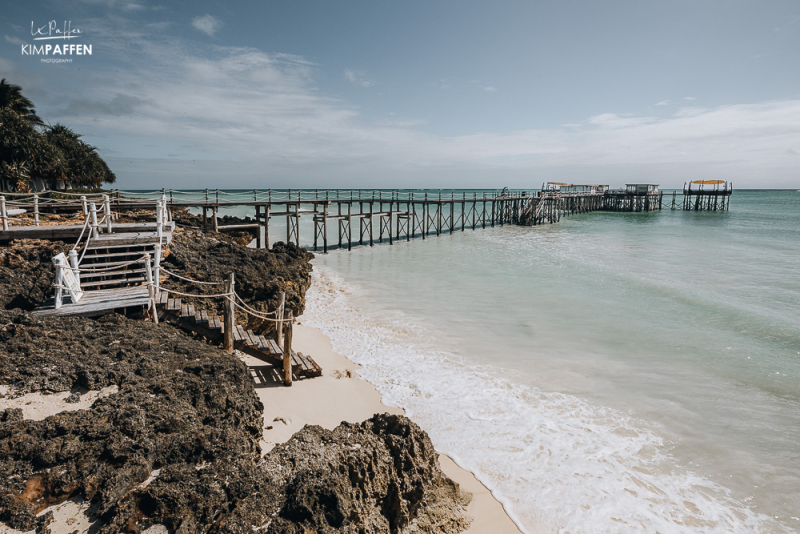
{"x":107,"y":210}
{"x":59,"y":281}
{"x":3,"y":213}
{"x":160,"y":207}
{"x":73,"y":262}
{"x":36,"y":209}
{"x":151,"y":291}
{"x":85,"y":206}
{"x":93,"y":220}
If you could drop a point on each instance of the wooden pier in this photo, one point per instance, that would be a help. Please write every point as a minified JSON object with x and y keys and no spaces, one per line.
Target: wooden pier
{"x":635,"y":197}
{"x":707,"y":195}
{"x":346,"y":218}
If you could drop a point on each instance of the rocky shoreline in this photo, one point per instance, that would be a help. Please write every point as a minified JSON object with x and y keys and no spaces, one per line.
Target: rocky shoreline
{"x":177,"y":443}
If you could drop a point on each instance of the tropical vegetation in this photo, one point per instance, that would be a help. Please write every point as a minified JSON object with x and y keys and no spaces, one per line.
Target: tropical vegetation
{"x":34,"y":155}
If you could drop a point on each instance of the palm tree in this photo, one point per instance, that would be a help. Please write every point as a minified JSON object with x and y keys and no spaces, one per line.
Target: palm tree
{"x":11,"y":98}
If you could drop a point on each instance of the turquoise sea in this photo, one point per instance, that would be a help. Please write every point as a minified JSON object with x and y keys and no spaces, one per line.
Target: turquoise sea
{"x":614,"y":372}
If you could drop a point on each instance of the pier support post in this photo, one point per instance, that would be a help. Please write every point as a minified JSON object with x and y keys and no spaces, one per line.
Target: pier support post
{"x":287,"y":350}
{"x":258,"y":230}
{"x":350,"y":224}
{"x":216,"y":222}
{"x":325,"y":225}
{"x":3,"y":213}
{"x":228,"y":315}
{"x":266,"y":226}
{"x":36,"y":209}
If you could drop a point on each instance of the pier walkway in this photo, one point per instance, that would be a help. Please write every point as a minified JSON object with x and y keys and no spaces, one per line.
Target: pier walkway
{"x":344,"y":218}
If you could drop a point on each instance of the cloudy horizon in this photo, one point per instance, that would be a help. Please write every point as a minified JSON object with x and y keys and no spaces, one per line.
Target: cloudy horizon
{"x":191,"y":96}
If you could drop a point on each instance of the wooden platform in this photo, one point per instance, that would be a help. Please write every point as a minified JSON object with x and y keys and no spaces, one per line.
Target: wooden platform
{"x":125,"y":239}
{"x":72,"y":231}
{"x":96,"y":303}
{"x":211,"y":327}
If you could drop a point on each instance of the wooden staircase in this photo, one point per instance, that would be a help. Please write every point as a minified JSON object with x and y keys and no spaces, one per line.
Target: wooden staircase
{"x":121,"y":289}
{"x":210,"y":326}
{"x":111,"y":250}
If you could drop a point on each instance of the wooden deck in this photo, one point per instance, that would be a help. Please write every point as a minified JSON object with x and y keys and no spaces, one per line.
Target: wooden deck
{"x":96,"y":303}
{"x":72,"y":231}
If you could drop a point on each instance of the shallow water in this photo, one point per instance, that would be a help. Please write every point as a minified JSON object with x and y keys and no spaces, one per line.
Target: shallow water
{"x":613,"y":372}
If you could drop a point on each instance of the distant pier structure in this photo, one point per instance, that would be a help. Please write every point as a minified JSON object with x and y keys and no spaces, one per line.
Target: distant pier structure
{"x":706,"y":195}
{"x":343,"y":218}
{"x":635,"y":197}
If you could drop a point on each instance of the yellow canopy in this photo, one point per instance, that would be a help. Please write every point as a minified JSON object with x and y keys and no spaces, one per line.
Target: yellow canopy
{"x":556,"y":183}
{"x":709,"y":182}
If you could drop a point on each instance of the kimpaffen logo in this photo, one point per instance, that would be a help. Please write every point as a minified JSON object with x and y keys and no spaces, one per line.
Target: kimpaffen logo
{"x":52,"y":31}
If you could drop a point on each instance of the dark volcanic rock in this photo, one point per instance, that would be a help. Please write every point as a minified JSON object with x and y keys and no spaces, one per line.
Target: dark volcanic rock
{"x":27,"y":273}
{"x":185,"y":219}
{"x":381,"y":475}
{"x":177,"y":445}
{"x":259,"y":274}
{"x":180,"y":402}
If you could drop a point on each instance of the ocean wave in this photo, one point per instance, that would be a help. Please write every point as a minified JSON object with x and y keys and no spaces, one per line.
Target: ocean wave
{"x":557,"y":462}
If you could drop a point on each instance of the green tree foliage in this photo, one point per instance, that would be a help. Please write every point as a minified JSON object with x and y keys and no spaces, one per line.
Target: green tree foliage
{"x":79,"y":162}
{"x":11,"y":98}
{"x":24,"y":153}
{"x":29,"y":150}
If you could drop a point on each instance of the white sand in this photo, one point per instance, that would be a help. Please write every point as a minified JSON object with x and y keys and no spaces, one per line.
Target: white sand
{"x":38,"y":406}
{"x":339,"y":395}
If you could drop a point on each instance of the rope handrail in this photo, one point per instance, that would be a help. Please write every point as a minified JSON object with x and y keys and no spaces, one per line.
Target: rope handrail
{"x":258,"y":315}
{"x":232,"y":297}
{"x":78,"y":242}
{"x":189,"y":279}
{"x":114,"y":268}
{"x":162,"y":288}
{"x":252,"y":309}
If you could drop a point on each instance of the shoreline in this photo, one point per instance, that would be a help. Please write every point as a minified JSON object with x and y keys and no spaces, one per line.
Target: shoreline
{"x":341,"y":395}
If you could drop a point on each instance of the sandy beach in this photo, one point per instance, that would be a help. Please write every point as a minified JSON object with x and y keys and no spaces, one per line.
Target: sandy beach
{"x":340,"y":395}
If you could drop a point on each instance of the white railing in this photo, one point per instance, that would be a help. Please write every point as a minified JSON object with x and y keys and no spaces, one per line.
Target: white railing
{"x":68,"y":274}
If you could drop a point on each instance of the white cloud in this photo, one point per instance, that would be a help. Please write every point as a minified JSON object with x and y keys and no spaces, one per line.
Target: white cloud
{"x":13,"y":40}
{"x":207,"y":24}
{"x":242,"y":110}
{"x":689,"y":98}
{"x":358,"y":78}
{"x":663,"y":103}
{"x":490,"y":89}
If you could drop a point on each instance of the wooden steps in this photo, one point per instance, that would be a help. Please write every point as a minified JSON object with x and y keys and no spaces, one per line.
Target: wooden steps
{"x":96,"y":303}
{"x":106,"y":241}
{"x":211,"y":327}
{"x":119,"y":249}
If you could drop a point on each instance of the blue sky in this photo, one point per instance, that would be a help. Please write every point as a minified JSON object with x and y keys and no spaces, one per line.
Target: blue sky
{"x":422,"y":93}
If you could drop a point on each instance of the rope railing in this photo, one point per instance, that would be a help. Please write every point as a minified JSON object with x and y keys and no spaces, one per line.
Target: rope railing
{"x":200,"y":296}
{"x":230,"y":296}
{"x":191,"y":280}
{"x":111,"y":270}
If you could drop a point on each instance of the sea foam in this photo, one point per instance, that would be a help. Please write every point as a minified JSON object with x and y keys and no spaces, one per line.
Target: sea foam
{"x":557,"y":462}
